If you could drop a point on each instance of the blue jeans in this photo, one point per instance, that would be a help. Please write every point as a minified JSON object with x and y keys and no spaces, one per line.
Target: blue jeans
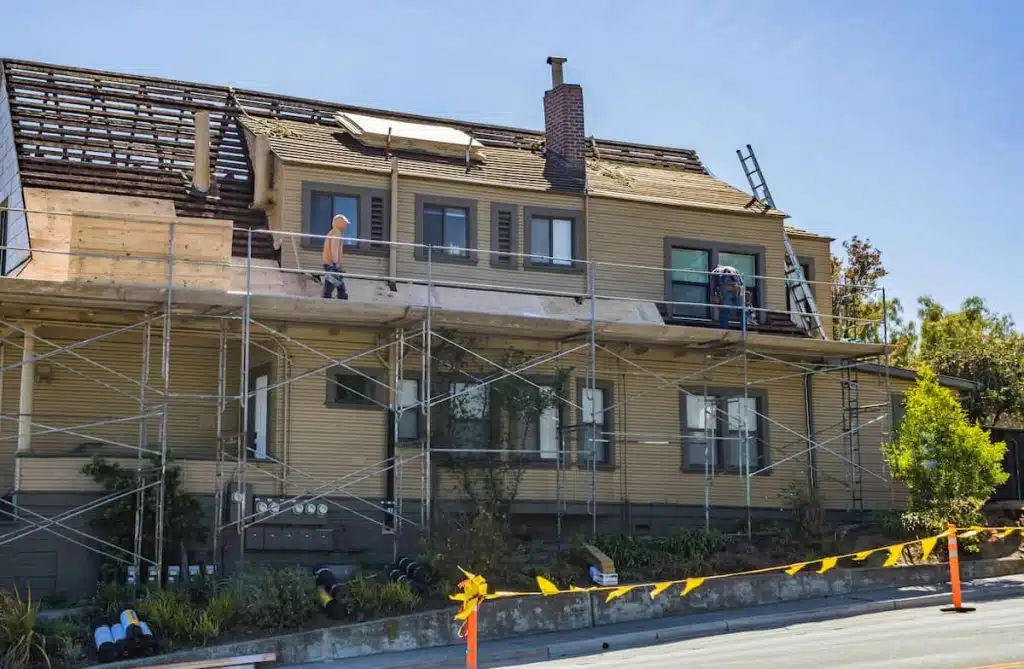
{"x":732,"y":306}
{"x":332,"y":282}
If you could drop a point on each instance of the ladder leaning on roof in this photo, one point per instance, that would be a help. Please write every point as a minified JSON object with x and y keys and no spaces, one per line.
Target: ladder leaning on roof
{"x":802,"y":300}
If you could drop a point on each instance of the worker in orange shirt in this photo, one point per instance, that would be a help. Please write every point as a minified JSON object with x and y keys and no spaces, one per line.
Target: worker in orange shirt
{"x":334,"y":249}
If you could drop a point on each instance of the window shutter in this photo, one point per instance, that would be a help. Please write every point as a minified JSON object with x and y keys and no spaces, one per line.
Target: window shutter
{"x":378,"y":221}
{"x":504,"y":235}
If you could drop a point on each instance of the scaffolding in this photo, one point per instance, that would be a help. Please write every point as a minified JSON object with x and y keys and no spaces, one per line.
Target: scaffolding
{"x":251,"y":320}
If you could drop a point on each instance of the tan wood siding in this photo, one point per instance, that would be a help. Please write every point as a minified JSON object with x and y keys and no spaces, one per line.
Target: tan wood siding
{"x":633,"y":233}
{"x":819,"y":252}
{"x":833,"y":454}
{"x":65,"y":475}
{"x":286,"y":216}
{"x":327,"y":444}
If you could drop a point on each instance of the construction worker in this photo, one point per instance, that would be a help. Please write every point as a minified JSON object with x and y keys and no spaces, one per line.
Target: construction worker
{"x":334,"y":249}
{"x":728,"y":292}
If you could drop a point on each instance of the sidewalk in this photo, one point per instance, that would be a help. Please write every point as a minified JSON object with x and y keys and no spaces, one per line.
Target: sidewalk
{"x":541,"y":647}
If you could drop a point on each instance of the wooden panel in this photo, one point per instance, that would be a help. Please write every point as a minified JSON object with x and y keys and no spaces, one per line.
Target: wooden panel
{"x":201,"y":253}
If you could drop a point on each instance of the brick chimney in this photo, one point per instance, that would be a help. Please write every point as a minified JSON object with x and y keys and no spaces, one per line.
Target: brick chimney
{"x":564,"y":137}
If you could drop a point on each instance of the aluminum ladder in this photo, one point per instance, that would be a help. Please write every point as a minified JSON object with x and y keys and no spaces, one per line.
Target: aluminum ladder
{"x":807,"y":316}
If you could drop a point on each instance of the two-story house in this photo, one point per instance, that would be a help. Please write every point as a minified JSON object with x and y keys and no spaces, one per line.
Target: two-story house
{"x":162,"y":306}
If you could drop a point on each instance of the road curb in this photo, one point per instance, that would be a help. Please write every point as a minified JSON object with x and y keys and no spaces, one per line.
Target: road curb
{"x":684,"y":632}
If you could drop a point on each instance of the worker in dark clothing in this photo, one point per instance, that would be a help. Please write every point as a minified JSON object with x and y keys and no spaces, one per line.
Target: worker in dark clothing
{"x":728,"y":292}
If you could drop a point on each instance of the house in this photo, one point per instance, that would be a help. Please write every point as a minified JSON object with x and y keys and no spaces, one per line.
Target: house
{"x":161,"y":307}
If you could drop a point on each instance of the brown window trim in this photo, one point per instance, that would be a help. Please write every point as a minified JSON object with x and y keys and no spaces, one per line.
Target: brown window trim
{"x":764,"y":457}
{"x":532,"y":459}
{"x":714,"y":248}
{"x":500,"y":259}
{"x":420,"y":252}
{"x":609,"y":401}
{"x":374,"y":373}
{"x":578,"y":239}
{"x":364,"y":194}
{"x":804,"y":260}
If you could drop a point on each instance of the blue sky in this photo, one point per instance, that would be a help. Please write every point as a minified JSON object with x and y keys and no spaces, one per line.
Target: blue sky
{"x":899,"y":121}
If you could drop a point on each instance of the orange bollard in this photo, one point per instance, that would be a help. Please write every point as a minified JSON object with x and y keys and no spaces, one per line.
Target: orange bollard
{"x":954,"y":574}
{"x":471,"y":640}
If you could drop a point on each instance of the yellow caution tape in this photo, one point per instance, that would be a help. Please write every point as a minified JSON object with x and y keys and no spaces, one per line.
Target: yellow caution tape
{"x":474,"y":589}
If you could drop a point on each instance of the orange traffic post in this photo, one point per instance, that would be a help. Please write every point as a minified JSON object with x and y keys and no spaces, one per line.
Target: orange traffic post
{"x":471,"y":640}
{"x":954,"y":573}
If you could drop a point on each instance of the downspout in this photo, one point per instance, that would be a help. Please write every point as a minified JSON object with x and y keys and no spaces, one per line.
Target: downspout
{"x":393,"y":223}
{"x":812,"y":455}
{"x":390,"y":452}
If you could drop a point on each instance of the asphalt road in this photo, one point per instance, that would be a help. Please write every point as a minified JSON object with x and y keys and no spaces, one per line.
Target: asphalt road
{"x":991,"y":637}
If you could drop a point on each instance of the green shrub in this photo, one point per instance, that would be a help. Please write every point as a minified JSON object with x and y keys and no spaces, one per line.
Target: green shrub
{"x":950,"y":467}
{"x":111,"y":598}
{"x":371,"y":598}
{"x":68,"y":639}
{"x":274,"y":598}
{"x":169,"y":612}
{"x":692,"y":544}
{"x":22,"y":644}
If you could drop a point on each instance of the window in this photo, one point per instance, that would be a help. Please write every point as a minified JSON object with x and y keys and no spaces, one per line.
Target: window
{"x":554,"y":239}
{"x":471,"y":424}
{"x":325,"y":206}
{"x":595,"y":440}
{"x":409,"y":419}
{"x":690,"y":282}
{"x":447,"y":224}
{"x":538,"y":433}
{"x":687,"y":280}
{"x":805,"y":267}
{"x":551,"y":241}
{"x":720,"y":428}
{"x":446,"y":228}
{"x":348,"y":389}
{"x":365,"y":208}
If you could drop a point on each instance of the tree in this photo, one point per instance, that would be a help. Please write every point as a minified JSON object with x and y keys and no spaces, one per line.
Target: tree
{"x":857,"y":304}
{"x":949,"y":464}
{"x":502,"y":415}
{"x":183,"y":514}
{"x":979,"y":345}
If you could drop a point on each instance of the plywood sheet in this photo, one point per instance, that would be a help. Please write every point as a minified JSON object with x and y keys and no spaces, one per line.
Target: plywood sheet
{"x":107,"y":249}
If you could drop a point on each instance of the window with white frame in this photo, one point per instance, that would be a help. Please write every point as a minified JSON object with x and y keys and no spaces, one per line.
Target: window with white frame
{"x":595,"y":440}
{"x":722,"y":431}
{"x":408,"y":397}
{"x":537,"y":432}
{"x":470,"y":417}
{"x":552,"y":241}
